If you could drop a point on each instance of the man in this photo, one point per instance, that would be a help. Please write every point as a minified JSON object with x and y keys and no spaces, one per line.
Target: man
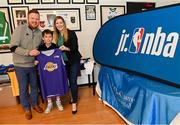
{"x":25,"y":39}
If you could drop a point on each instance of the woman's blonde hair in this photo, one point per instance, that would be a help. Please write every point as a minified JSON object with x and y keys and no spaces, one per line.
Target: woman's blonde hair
{"x":56,"y":33}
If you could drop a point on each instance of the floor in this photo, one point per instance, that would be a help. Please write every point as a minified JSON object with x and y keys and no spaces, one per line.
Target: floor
{"x":90,"y":111}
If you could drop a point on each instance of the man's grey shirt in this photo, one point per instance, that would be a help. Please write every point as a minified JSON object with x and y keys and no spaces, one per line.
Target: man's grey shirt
{"x":26,"y":40}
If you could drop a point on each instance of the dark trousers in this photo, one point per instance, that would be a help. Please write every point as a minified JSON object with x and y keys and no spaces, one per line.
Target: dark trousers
{"x":72,"y":72}
{"x":27,"y":76}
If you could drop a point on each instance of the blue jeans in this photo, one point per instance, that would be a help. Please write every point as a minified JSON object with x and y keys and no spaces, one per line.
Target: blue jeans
{"x":72,"y":71}
{"x":27,"y":76}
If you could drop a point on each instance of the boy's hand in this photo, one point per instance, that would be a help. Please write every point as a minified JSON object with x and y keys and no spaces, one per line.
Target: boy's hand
{"x":36,"y":62}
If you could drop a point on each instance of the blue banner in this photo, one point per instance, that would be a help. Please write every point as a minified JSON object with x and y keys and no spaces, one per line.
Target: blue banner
{"x":146,"y":42}
{"x":139,"y":100}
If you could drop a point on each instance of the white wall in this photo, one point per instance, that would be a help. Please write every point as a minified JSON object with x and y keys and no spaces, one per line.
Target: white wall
{"x":167,"y":2}
{"x":89,"y":28}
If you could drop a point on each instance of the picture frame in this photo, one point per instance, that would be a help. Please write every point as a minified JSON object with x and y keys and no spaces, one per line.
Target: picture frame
{"x":15,"y":1}
{"x":90,"y":11}
{"x":7,"y":16}
{"x":63,"y":1}
{"x":19,"y":15}
{"x":78,"y":1}
{"x":31,"y":1}
{"x":92,"y":1}
{"x":47,"y":1}
{"x":110,"y":11}
{"x":6,"y":28}
{"x":70,"y":15}
{"x":134,"y":7}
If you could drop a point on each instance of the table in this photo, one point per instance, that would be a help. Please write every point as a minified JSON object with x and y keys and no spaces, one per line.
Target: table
{"x":138,"y":99}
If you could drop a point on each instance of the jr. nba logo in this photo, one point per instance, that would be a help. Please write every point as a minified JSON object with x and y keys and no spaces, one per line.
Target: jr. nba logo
{"x":136,"y":40}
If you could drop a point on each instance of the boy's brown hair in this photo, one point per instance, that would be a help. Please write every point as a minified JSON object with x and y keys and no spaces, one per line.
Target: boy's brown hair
{"x":47,"y":31}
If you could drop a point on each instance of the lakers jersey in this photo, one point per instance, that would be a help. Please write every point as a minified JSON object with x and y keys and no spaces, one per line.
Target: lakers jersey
{"x":53,"y":78}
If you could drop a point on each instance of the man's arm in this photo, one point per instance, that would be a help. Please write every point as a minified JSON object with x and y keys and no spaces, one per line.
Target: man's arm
{"x":15,"y":42}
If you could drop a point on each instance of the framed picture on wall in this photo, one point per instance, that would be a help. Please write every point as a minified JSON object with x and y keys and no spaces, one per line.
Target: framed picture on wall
{"x":15,"y":1}
{"x":63,"y":1}
{"x":6,"y":29}
{"x":90,"y":11}
{"x":92,"y":1}
{"x":70,"y":15}
{"x":78,"y":1}
{"x":134,"y":7}
{"x":47,"y":1}
{"x":31,"y":1}
{"x":110,"y":11}
{"x":6,"y":12}
{"x":19,"y":15}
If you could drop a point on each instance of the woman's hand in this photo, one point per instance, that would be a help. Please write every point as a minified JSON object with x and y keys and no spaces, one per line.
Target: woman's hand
{"x":64,"y":48}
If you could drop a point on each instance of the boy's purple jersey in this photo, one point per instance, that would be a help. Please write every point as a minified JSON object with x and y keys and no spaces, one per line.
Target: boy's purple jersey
{"x":53,"y":77}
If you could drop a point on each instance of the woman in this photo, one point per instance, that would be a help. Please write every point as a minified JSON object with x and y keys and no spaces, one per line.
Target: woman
{"x":67,"y":41}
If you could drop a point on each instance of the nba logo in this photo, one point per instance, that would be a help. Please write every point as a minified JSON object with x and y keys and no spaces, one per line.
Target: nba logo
{"x":136,"y":40}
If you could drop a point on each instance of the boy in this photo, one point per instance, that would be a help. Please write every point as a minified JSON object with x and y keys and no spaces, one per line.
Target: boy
{"x":52,"y":71}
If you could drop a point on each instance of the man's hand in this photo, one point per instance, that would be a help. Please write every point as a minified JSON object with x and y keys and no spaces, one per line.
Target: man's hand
{"x":34,"y":52}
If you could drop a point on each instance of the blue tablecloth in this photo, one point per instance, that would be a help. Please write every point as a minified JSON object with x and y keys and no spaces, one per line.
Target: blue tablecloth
{"x":138,"y":99}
